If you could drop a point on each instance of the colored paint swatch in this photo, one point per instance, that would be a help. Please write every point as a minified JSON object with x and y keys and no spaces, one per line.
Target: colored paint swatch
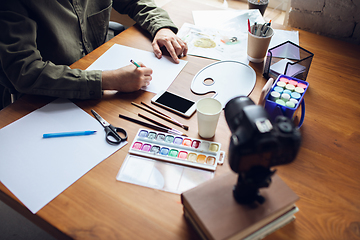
{"x":155,"y":149}
{"x":214,"y":147}
{"x":195,"y":144}
{"x":143,"y":133}
{"x":169,"y":139}
{"x":201,"y":158}
{"x":210,"y":160}
{"x":137,"y":145}
{"x":146,"y":147}
{"x":178,"y":140}
{"x":160,"y":137}
{"x":173,"y":153}
{"x":187,"y":142}
{"x":204,"y":146}
{"x":192,"y":157}
{"x":164,"y":151}
{"x":152,"y":135}
{"x":183,"y":155}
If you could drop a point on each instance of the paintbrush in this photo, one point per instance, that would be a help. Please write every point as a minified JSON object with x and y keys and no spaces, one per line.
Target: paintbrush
{"x":178,"y":123}
{"x":160,"y":124}
{"x":160,"y":115}
{"x":149,"y":125}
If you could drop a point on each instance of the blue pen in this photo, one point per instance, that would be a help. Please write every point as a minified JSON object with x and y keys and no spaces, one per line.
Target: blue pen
{"x":68,"y":134}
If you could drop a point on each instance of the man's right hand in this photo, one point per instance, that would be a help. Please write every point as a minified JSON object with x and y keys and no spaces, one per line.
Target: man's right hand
{"x":127,"y":79}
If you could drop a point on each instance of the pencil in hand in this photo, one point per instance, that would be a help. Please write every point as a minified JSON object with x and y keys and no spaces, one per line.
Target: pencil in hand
{"x":133,"y":62}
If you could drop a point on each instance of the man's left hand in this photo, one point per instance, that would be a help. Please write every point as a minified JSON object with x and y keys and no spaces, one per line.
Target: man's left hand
{"x":174,"y":45}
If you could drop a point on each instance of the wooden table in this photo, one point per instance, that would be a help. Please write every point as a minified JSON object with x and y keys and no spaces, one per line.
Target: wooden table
{"x":325,"y":174}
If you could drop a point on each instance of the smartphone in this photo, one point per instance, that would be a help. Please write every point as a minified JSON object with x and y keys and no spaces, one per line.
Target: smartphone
{"x":170,"y":101}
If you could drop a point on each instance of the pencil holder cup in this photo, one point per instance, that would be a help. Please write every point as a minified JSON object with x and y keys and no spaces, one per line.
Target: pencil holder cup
{"x":258,"y":42}
{"x":286,"y":97}
{"x":288,"y":59}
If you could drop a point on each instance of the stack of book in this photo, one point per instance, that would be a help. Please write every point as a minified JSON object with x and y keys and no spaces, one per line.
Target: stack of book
{"x":215,"y":214}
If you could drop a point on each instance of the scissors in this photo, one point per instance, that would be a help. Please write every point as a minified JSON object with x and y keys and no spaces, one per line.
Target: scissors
{"x":112,"y":136}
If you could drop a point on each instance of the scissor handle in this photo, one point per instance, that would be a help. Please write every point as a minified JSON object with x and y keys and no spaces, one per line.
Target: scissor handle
{"x":112,"y":133}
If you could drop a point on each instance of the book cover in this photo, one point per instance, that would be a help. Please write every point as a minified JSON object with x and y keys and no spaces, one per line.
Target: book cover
{"x":216,"y":214}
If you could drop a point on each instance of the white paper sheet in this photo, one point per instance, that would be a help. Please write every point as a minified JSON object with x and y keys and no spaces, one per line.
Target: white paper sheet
{"x":220,"y":18}
{"x":220,"y":25}
{"x":164,"y":70}
{"x":221,"y":48}
{"x":161,"y":175}
{"x":236,"y":21}
{"x":292,"y":71}
{"x":35,"y":169}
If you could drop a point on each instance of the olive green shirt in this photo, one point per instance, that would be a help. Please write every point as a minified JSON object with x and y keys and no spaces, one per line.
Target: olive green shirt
{"x":40,"y":38}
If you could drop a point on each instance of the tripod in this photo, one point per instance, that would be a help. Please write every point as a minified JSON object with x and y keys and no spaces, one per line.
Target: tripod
{"x":246,"y":191}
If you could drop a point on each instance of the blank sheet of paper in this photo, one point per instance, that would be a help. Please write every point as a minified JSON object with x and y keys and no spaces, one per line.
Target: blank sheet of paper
{"x":36,"y":169}
{"x":164,"y":70}
{"x":161,"y":175}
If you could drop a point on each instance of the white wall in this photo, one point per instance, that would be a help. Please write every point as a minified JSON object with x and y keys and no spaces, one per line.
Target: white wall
{"x":333,"y":18}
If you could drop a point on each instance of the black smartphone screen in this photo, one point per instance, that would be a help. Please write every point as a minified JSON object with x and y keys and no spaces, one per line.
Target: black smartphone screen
{"x":175,"y":102}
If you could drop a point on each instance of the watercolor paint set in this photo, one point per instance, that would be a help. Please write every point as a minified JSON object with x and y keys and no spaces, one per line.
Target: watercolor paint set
{"x":177,"y":149}
{"x":285,"y":97}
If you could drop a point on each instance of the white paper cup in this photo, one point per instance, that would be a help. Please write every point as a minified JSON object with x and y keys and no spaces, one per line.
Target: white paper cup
{"x":208,"y":112}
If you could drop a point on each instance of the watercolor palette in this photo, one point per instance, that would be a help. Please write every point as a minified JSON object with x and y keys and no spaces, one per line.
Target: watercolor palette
{"x":177,"y":149}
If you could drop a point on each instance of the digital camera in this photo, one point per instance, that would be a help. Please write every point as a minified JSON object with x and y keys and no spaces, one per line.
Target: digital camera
{"x":255,"y":140}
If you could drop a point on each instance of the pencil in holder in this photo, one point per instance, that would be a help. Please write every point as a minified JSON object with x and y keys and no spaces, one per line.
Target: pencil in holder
{"x":287,"y":59}
{"x":286,"y":97}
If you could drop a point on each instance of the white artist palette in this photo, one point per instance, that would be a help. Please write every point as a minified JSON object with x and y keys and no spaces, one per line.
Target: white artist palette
{"x":228,"y":79}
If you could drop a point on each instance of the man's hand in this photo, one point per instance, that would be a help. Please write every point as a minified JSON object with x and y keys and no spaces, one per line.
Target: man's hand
{"x":174,"y":45}
{"x":127,"y":79}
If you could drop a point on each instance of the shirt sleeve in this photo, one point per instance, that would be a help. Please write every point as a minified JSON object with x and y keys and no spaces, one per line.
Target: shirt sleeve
{"x":146,"y":14}
{"x":24,"y":67}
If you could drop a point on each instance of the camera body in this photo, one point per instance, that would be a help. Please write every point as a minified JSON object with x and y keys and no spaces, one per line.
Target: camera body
{"x":255,"y":140}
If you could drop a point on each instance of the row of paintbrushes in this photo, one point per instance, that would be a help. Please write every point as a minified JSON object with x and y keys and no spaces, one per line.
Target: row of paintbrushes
{"x":159,"y":126}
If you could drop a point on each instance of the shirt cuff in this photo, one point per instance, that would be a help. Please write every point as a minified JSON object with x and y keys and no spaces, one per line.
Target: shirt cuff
{"x":94,"y":84}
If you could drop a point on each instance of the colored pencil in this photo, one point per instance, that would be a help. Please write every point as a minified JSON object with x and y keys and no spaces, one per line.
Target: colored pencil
{"x":133,"y":62}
